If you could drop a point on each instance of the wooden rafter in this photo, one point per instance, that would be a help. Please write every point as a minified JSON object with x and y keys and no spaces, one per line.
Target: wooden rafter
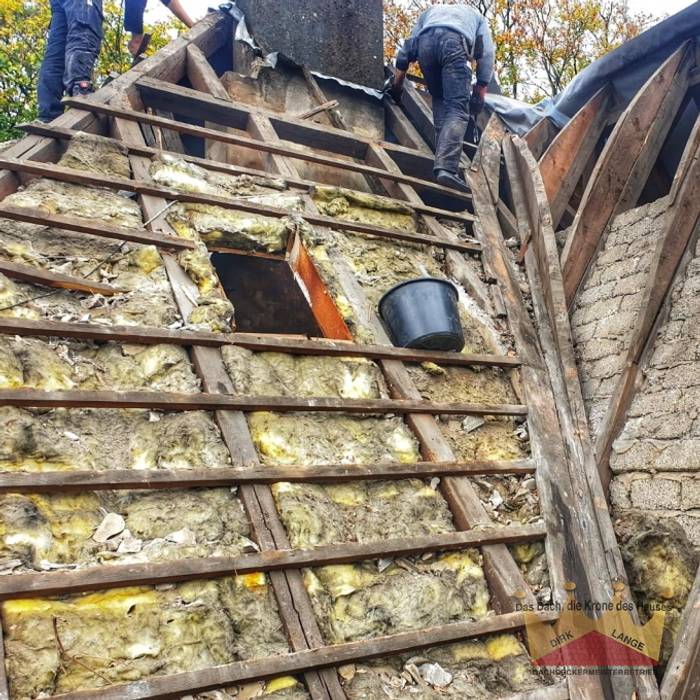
{"x":602,"y":555}
{"x":144,"y":187}
{"x":56,"y":280}
{"x":563,"y":162}
{"x":625,"y":164}
{"x":540,"y":136}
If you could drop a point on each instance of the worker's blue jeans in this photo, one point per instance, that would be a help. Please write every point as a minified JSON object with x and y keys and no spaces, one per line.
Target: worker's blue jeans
{"x":443,"y":58}
{"x":72,"y":48}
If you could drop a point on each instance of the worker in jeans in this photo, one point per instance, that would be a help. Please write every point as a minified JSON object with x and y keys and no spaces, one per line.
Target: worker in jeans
{"x":133,"y":22}
{"x":445,"y":42}
{"x":72,"y":48}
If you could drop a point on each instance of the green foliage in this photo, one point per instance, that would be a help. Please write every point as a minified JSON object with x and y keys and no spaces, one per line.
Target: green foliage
{"x":24,"y":26}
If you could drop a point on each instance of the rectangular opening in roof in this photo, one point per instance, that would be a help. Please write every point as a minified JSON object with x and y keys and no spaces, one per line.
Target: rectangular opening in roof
{"x":284,"y":296}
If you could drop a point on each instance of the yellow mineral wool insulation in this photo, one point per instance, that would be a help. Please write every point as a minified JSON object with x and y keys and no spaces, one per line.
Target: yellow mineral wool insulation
{"x":236,"y":229}
{"x":375,"y":598}
{"x":213,"y":313}
{"x":37,"y":440}
{"x":90,"y":641}
{"x":96,"y":154}
{"x":318,"y":514}
{"x":509,"y":499}
{"x":178,"y":173}
{"x":55,"y":365}
{"x":492,"y":667}
{"x":277,"y":374}
{"x":39,"y":532}
{"x":366,"y":208}
{"x":306,"y":438}
{"x":197,"y":265}
{"x":495,"y":439}
{"x":55,"y":197}
{"x":661,"y":564}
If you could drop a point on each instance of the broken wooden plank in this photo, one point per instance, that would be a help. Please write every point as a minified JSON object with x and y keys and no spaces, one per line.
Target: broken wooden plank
{"x":170,"y":401}
{"x":562,"y":164}
{"x":62,"y":481}
{"x":180,"y":684}
{"x":95,"y":578}
{"x":276,"y":148}
{"x":313,"y":111}
{"x":147,"y":188}
{"x":148,"y":335}
{"x":51,"y":131}
{"x":94,"y":227}
{"x":619,"y":173}
{"x":56,"y":280}
{"x":540,"y":136}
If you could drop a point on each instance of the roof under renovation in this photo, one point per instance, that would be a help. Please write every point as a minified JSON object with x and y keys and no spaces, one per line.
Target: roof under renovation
{"x":220,"y":479}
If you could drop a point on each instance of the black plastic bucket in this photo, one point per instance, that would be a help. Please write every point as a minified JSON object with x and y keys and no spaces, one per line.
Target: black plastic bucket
{"x":423,"y":314}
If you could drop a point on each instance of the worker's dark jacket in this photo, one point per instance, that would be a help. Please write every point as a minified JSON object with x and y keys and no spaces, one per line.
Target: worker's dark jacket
{"x":133,"y":14}
{"x":444,"y":41}
{"x":72,"y":48}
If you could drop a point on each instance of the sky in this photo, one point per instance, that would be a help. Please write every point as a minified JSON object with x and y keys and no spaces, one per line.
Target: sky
{"x":198,"y":8}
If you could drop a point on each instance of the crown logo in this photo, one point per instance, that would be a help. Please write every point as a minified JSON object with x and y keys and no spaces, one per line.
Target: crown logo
{"x":609,"y":639}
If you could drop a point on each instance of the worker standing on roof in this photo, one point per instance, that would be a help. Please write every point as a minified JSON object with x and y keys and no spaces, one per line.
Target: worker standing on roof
{"x":445,"y":42}
{"x":72,"y":48}
{"x":133,"y":22}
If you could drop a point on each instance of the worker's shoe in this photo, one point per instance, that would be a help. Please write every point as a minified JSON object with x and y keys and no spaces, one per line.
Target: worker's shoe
{"x":82,"y":87}
{"x":445,"y":177}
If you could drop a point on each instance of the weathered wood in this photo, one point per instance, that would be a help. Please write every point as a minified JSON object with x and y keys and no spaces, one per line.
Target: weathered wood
{"x":540,"y":136}
{"x":37,"y":275}
{"x":147,"y":335}
{"x":52,"y":131}
{"x":95,"y":227}
{"x":167,"y":401}
{"x":544,"y":273}
{"x":334,"y":114}
{"x":238,"y":672}
{"x":401,"y":127}
{"x":681,"y":680}
{"x":276,"y":148}
{"x":313,"y":111}
{"x":61,"y":481}
{"x":619,"y":175}
{"x":680,"y":222}
{"x":30,"y":585}
{"x":562,"y":164}
{"x":204,"y":79}
{"x":147,"y":188}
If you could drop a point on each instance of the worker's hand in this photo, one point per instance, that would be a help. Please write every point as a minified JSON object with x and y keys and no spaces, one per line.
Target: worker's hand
{"x":476,"y":103}
{"x":135,"y":44}
{"x":394,"y":88}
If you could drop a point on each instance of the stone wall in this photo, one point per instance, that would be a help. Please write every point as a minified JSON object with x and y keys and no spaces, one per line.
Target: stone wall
{"x":606,"y":307}
{"x":656,"y":458}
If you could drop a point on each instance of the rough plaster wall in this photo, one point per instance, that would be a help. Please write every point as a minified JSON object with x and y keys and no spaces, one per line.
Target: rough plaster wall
{"x":606,"y":308}
{"x":656,"y":458}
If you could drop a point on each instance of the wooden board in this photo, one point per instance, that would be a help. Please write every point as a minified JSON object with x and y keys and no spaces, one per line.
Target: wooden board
{"x":60,"y":481}
{"x":180,"y":684}
{"x":56,"y":280}
{"x":256,"y":144}
{"x":94,"y":227}
{"x":143,"y":187}
{"x":94,"y":578}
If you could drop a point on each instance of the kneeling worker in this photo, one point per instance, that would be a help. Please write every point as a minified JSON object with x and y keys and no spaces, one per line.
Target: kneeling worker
{"x":445,"y":40}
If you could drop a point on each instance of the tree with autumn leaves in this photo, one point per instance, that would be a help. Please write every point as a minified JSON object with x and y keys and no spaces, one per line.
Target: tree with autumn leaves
{"x":540,"y":44}
{"x":24,"y":26}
